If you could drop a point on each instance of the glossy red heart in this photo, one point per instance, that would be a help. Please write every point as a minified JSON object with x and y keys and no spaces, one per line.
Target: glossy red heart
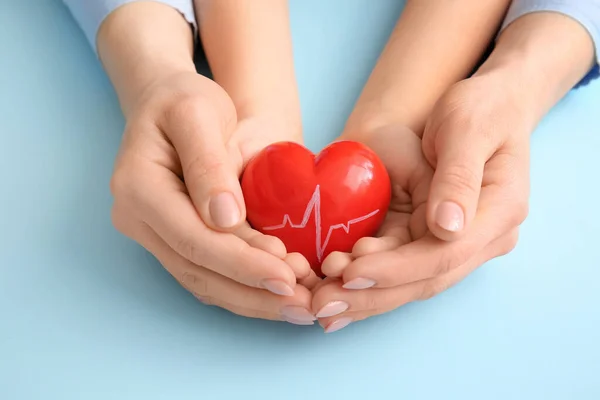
{"x":316,"y":204}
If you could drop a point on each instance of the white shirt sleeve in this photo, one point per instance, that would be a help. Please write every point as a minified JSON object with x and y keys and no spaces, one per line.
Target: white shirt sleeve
{"x":586,"y":12}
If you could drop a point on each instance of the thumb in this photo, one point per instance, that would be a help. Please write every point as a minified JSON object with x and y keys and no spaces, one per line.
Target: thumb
{"x":199,"y":136}
{"x":460,"y":156}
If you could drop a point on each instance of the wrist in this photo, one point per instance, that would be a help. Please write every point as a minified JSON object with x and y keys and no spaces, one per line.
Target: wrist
{"x":430,"y":49}
{"x":142,"y":43}
{"x":538,"y":59}
{"x":286,"y":127}
{"x":371,"y":117}
{"x":249,"y":47}
{"x":367,"y":127}
{"x":283,"y":109}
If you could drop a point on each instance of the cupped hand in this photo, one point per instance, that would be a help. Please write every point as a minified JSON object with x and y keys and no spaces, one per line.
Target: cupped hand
{"x":461,"y":213}
{"x":335,"y":303}
{"x":177,"y":193}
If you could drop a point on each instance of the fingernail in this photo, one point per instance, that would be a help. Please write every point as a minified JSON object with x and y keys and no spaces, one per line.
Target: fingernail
{"x":338,"y":324}
{"x":224,"y":210}
{"x":278,"y":287}
{"x":359,"y":283}
{"x":297,"y":313}
{"x":298,"y":322}
{"x":332,"y":308}
{"x":203,"y":300}
{"x":450,"y":216}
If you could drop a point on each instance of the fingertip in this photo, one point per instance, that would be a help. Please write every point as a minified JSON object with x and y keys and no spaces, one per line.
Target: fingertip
{"x":298,"y":264}
{"x":280,"y":277}
{"x":311,"y":282}
{"x":327,"y":290}
{"x":370,"y":270}
{"x":270,"y":244}
{"x":370,"y":245}
{"x":336,"y":324}
{"x":322,"y":282}
{"x":278,"y":287}
{"x":271,"y":273}
{"x":334,"y":264}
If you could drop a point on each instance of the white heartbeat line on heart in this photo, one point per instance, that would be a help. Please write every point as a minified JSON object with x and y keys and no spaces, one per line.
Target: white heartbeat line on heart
{"x":315,"y":204}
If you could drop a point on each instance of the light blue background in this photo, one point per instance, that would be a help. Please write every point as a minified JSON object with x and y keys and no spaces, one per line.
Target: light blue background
{"x":87,"y":314}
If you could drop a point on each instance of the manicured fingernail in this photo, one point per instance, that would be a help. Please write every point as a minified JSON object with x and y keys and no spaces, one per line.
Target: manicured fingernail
{"x":297,"y":322}
{"x":338,"y":324}
{"x":224,"y":210}
{"x":450,"y":216}
{"x":203,"y":300}
{"x":297,"y":313}
{"x":332,"y":308}
{"x":359,"y":283}
{"x":278,"y":287}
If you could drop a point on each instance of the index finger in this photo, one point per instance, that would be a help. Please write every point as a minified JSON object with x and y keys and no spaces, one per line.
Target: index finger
{"x":429,"y":256}
{"x":166,"y":207}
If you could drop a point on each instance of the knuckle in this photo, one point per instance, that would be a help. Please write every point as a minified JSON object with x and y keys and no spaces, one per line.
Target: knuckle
{"x":230,"y":265}
{"x":462,"y":179}
{"x":263,"y":304}
{"x":213,"y":104}
{"x":434,"y":287}
{"x":195,"y":283}
{"x":509,"y":243}
{"x":388,"y":300}
{"x":251,"y":313}
{"x":183,"y":105}
{"x":204,"y":167}
{"x":191,"y":251}
{"x":521,"y":211}
{"x":468,"y":110}
{"x":235,"y":274}
{"x":124,"y":221}
{"x":450,"y":259}
{"x":118,"y":221}
{"x":127,"y":183}
{"x":237,"y":255}
{"x":121,"y":182}
{"x":443,"y":266}
{"x":373,"y":302}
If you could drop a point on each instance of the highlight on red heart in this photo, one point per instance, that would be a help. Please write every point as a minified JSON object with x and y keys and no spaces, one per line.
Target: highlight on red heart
{"x":316,"y":204}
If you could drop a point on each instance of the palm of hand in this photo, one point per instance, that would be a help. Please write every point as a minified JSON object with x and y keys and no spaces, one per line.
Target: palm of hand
{"x":478,"y":157}
{"x":182,"y":142}
{"x":249,"y":138}
{"x":405,"y":222}
{"x":410,"y":176}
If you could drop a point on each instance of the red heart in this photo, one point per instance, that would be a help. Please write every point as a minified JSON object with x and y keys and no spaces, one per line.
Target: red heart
{"x":316,"y":204}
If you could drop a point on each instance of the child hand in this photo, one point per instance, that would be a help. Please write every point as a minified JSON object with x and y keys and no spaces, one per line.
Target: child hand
{"x":337,"y":301}
{"x":177,"y":193}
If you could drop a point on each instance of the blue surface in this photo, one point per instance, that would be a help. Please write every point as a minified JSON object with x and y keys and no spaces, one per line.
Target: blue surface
{"x":87,"y":314}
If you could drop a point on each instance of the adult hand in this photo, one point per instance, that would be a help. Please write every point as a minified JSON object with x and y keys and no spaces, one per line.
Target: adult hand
{"x":177,"y":193}
{"x":477,"y":139}
{"x":467,"y":212}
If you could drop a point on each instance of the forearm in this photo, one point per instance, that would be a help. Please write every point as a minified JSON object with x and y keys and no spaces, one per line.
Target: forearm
{"x":249,"y":48}
{"x":433,"y":45}
{"x":540,"y":57}
{"x":141,"y":42}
